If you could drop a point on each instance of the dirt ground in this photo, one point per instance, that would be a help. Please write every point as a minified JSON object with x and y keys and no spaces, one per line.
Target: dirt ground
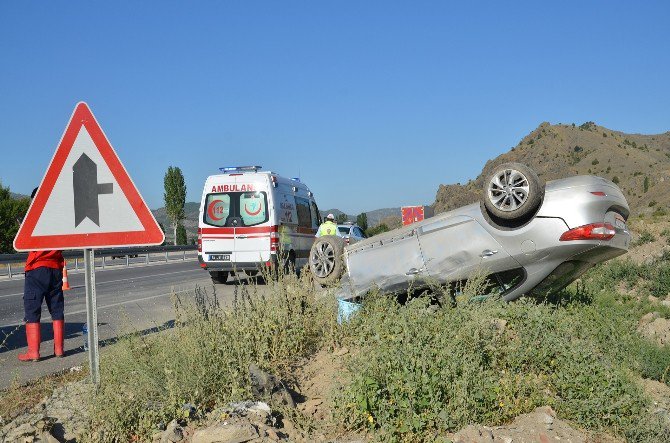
{"x":642,"y":253}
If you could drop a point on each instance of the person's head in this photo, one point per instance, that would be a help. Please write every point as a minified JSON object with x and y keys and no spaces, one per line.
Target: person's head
{"x":330,"y":217}
{"x":32,"y":194}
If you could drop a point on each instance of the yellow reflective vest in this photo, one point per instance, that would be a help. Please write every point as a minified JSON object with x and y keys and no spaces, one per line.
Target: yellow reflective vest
{"x":327,"y":228}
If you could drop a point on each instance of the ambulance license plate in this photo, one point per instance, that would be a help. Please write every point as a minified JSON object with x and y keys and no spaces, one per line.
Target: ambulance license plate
{"x":219,"y":257}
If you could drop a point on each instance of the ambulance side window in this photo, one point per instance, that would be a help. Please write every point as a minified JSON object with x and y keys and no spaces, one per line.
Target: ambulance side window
{"x":217,"y":209}
{"x":287,"y":210}
{"x":316,"y":216}
{"x":304,"y":217}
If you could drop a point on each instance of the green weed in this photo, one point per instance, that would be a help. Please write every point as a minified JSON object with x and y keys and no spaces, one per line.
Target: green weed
{"x":204,"y":359}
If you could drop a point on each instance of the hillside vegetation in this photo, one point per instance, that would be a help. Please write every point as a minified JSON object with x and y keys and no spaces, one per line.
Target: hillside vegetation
{"x":639,"y":164}
{"x":412,"y":371}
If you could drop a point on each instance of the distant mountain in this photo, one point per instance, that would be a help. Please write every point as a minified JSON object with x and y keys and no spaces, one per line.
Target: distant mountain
{"x":639,"y":164}
{"x":190,"y":221}
{"x":17,"y":196}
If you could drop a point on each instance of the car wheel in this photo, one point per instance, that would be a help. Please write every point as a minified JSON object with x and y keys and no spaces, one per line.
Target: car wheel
{"x":219,"y":276}
{"x":512,"y":191}
{"x":325,"y":259}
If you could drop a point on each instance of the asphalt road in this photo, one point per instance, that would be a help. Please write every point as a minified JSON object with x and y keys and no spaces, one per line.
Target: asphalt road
{"x":137,"y":297}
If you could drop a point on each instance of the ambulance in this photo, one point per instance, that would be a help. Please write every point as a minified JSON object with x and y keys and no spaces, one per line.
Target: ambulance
{"x":251,"y":219}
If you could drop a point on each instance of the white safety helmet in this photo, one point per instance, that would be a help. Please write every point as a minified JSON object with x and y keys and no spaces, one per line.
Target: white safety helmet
{"x":330,"y":217}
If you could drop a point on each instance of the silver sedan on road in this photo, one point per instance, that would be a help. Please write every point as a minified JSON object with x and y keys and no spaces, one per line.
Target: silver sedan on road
{"x":528,"y":237}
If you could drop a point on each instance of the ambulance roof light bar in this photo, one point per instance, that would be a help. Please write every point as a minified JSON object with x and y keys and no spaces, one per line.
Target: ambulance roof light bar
{"x":227,"y":169}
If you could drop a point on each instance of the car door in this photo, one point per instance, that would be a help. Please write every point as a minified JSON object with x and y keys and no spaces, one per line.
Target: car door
{"x":392,"y":261}
{"x":456,"y":247}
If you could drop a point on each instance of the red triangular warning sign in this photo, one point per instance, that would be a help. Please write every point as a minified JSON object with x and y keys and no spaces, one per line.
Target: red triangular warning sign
{"x":86,"y":198}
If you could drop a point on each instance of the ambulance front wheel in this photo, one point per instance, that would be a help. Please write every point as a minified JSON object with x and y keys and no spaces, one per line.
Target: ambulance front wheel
{"x":219,"y":276}
{"x":326,"y":262}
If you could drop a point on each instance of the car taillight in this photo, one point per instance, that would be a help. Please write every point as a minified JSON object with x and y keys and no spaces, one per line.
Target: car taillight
{"x":199,"y":240}
{"x":274,"y":239}
{"x":594,"y":231}
{"x":598,"y":193}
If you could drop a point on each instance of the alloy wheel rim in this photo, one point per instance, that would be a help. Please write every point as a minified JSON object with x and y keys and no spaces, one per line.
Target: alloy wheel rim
{"x":322,"y":260}
{"x":508,"y":190}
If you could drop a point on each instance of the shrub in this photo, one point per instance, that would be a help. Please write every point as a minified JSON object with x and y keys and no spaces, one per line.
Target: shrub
{"x":615,"y":180}
{"x":660,"y":211}
{"x":381,"y":228}
{"x":645,"y":185}
{"x":644,"y":238}
{"x":419,"y":372}
{"x":203,"y":360}
{"x":595,"y":162}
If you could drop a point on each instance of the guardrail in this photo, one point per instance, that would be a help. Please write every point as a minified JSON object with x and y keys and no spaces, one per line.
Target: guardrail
{"x":9,"y":259}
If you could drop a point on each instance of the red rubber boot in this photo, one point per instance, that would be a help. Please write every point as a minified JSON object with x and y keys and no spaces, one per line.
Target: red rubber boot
{"x":58,"y":326}
{"x":34,"y":339}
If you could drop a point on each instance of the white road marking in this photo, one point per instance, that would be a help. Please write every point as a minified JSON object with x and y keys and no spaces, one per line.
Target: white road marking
{"x":110,"y":267}
{"x":136,"y":300}
{"x":116,"y":281}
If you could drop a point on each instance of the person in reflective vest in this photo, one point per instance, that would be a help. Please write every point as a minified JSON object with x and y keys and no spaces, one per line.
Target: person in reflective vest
{"x":329,"y":227}
{"x":43,"y":281}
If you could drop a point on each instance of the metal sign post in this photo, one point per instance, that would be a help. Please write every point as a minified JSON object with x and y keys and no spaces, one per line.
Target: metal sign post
{"x":92,"y":317}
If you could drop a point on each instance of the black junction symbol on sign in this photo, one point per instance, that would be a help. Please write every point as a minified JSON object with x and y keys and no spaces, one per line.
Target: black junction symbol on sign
{"x":87,"y":189}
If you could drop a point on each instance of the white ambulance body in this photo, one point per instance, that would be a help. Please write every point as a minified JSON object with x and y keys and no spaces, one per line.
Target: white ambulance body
{"x":251,"y":219}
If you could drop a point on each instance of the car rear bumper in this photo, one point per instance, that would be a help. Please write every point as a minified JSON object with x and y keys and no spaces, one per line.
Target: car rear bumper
{"x":554,"y":274}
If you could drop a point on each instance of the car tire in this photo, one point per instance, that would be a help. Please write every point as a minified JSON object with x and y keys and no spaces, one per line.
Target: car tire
{"x":219,"y":276}
{"x":326,"y":262}
{"x":512,"y":192}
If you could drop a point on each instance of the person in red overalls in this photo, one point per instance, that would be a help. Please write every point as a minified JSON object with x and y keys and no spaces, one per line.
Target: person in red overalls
{"x":44,"y":280}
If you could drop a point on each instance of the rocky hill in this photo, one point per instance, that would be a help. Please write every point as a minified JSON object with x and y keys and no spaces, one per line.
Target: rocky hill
{"x":639,"y":164}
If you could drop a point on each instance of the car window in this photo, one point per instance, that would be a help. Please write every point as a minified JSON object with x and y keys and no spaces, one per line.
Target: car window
{"x":358,"y":232}
{"x":304,"y":217}
{"x":344,"y":230}
{"x":287,"y":209}
{"x":316,"y":216}
{"x":249,"y":208}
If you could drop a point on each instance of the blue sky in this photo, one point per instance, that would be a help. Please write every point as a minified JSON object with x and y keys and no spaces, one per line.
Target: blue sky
{"x":373,"y":104}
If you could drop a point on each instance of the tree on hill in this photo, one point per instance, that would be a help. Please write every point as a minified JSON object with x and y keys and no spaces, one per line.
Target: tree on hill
{"x":362,"y":221}
{"x":341,"y":218}
{"x":175,"y":197}
{"x":12,"y":212}
{"x":377,"y":230}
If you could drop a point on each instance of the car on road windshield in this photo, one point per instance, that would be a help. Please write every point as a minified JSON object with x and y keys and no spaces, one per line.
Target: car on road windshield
{"x":528,"y":237}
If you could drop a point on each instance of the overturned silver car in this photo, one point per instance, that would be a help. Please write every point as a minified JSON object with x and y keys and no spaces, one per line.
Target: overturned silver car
{"x":528,"y":237}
